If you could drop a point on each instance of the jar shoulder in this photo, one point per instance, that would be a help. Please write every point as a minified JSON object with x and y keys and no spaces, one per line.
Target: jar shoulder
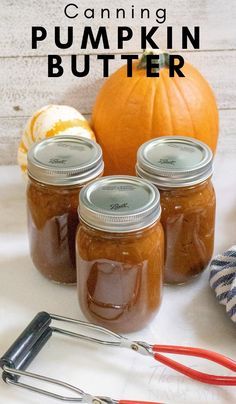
{"x":51,"y":201}
{"x":202,"y":196}
{"x":138,"y":245}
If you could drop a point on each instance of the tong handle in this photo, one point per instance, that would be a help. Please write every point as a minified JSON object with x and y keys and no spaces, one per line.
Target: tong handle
{"x":26,"y":361}
{"x":28,"y":344}
{"x":194,"y":374}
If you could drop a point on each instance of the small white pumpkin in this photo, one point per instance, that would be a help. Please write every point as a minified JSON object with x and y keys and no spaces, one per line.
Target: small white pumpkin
{"x":49,"y":121}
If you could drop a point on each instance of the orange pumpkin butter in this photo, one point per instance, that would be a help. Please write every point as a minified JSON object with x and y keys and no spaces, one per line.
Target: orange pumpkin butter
{"x":131,"y":110}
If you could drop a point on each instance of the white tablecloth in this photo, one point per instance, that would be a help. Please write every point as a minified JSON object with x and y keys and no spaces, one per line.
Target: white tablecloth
{"x":189,"y":315}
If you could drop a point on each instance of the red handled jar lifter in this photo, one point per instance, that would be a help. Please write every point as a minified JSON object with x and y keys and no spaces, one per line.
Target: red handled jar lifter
{"x":34,"y":337}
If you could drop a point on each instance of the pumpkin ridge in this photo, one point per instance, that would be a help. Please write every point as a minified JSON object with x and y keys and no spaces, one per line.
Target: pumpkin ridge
{"x":212,"y":101}
{"x":168,"y":100}
{"x":187,"y":106}
{"x":34,"y":119}
{"x":131,"y":92}
{"x":137,"y":82}
{"x":144,"y":101}
{"x":61,"y":126}
{"x":115,"y":140}
{"x":198,"y":91}
{"x":128,"y":97}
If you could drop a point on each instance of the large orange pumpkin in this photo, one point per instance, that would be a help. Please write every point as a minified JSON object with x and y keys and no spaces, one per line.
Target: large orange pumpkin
{"x":129,"y":111}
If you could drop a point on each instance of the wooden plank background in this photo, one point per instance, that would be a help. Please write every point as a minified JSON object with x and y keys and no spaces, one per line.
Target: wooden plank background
{"x":25,"y":87}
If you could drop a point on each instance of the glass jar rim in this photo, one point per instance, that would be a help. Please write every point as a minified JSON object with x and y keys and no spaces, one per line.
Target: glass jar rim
{"x":119,"y":204}
{"x":174,"y":161}
{"x":65,"y":160}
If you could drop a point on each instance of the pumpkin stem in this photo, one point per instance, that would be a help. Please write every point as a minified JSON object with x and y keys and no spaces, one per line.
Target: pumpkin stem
{"x":163,"y":60}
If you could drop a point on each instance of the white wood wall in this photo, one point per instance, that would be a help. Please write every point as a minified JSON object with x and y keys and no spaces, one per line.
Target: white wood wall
{"x":25,"y":87}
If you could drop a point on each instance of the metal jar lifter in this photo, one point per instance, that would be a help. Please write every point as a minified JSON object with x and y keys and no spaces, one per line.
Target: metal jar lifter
{"x":34,"y":337}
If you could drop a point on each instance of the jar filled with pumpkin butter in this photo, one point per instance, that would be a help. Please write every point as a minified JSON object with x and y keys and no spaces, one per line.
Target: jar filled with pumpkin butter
{"x":181,"y":168}
{"x":120,"y":252}
{"x":58,"y":168}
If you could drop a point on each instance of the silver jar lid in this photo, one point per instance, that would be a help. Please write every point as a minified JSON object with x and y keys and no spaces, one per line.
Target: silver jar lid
{"x":174,"y":161}
{"x":65,"y":160}
{"x":119,"y":204}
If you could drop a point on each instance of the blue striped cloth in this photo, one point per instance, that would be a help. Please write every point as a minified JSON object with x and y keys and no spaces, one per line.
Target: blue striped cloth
{"x":223,"y":280}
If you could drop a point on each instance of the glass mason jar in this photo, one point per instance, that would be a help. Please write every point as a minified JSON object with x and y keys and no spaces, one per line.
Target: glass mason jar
{"x":120,"y":252}
{"x":58,"y":168}
{"x":181,"y":168}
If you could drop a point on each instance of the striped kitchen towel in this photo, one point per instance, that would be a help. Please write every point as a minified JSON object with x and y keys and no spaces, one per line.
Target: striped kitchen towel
{"x":223,"y":280}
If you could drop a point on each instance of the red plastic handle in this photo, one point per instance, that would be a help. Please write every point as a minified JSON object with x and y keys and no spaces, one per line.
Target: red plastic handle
{"x":195,"y":374}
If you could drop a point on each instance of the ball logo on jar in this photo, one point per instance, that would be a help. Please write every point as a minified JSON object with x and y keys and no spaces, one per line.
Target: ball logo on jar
{"x":116,"y":206}
{"x":167,"y":161}
{"x":58,"y":161}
